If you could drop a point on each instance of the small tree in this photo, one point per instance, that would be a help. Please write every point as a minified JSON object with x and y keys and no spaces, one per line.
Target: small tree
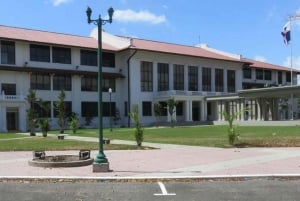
{"x":31,"y":113}
{"x":73,"y":123}
{"x":44,"y":125}
{"x":60,"y":107}
{"x":157,"y":112}
{"x":172,"y":104}
{"x":232,"y":132}
{"x":139,"y":132}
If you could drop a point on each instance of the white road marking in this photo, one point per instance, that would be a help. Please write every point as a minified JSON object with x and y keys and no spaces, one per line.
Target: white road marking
{"x":163,"y":190}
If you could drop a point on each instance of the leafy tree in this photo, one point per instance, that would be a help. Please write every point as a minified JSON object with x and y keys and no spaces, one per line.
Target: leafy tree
{"x":139,"y":132}
{"x":31,"y":113}
{"x":60,"y":107}
{"x":157,"y":112}
{"x":172,"y":104}
{"x":232,"y":131}
{"x":44,"y":124}
{"x":74,"y":123}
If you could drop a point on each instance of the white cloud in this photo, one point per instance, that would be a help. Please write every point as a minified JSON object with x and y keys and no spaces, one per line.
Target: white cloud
{"x":296,"y":62}
{"x":58,"y":2}
{"x":141,"y":16}
{"x":260,"y":58}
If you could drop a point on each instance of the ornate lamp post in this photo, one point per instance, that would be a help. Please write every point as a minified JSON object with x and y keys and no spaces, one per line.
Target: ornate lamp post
{"x":110,"y":122}
{"x":100,"y":163}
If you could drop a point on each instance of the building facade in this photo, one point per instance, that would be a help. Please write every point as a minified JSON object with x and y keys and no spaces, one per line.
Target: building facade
{"x":204,"y":81}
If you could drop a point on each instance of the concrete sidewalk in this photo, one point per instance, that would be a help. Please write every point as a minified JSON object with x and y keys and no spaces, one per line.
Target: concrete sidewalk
{"x":169,"y":162}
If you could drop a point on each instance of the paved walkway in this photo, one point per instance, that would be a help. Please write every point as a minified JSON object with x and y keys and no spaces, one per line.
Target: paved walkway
{"x":168,"y":161}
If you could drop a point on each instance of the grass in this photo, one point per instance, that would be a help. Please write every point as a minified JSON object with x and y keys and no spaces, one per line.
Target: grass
{"x":9,"y":142}
{"x":212,"y":136}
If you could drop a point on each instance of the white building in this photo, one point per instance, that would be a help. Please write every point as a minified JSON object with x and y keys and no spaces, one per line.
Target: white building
{"x":202,"y":80}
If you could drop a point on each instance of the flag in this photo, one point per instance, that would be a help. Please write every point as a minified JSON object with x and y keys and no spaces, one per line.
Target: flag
{"x":286,"y":33}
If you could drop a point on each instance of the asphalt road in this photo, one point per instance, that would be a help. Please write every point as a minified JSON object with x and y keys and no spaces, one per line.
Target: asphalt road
{"x":252,"y":190}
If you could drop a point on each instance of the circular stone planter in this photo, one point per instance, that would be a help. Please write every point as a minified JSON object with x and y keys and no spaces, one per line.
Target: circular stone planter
{"x":60,"y":161}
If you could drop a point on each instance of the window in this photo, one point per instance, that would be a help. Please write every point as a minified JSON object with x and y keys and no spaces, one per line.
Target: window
{"x":108,"y":83}
{"x":89,"y":83}
{"x":219,"y":80}
{"x":8,"y":89}
{"x":8,"y":53}
{"x":231,"y":80}
{"x":163,"y":76}
{"x":179,"y":109}
{"x":125,"y":109}
{"x":61,"y":55}
{"x":247,"y":73}
{"x":206,"y":79}
{"x":106,"y":112}
{"x":39,"y":53}
{"x":164,"y":108}
{"x":178,"y":77}
{"x":193,"y":78}
{"x":288,"y":76}
{"x":88,"y":58}
{"x":62,"y":82}
{"x":267,"y":75}
{"x":68,"y":109}
{"x":259,"y":74}
{"x":40,"y":81}
{"x":146,"y":76}
{"x":43,"y":112}
{"x":89,"y":109}
{"x":147,"y":108}
{"x":108,"y":59}
{"x":279,"y":77}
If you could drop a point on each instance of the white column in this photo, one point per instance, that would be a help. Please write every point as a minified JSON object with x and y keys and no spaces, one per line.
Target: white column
{"x":242,"y":111}
{"x":4,"y":122}
{"x":191,"y":110}
{"x":203,"y":110}
{"x":188,"y":110}
{"x":219,"y":110}
{"x":22,"y":118}
{"x":258,"y":110}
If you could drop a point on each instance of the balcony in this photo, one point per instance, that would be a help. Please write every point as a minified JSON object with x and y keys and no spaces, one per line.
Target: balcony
{"x":10,"y":98}
{"x":174,"y":93}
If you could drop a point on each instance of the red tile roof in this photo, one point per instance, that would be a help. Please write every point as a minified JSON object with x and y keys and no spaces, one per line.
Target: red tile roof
{"x":38,"y":36}
{"x":264,"y":65}
{"x":30,"y":35}
{"x":141,"y":44}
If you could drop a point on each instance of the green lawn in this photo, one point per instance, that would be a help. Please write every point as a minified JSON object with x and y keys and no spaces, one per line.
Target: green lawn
{"x":213,"y":136}
{"x":16,"y":142}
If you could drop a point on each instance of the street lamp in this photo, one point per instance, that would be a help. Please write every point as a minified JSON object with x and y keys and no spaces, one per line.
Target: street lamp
{"x":110,"y":122}
{"x":100,"y":163}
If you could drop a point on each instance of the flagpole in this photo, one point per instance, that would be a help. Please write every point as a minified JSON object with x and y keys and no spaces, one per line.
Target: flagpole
{"x":291,"y":48}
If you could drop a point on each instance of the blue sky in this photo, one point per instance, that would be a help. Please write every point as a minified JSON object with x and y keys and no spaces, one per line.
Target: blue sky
{"x":247,"y":27}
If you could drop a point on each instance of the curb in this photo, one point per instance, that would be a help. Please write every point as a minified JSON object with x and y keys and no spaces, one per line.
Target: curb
{"x":230,"y":178}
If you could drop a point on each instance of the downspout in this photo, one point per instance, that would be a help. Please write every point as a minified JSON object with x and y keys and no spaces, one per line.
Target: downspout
{"x":128,"y":76}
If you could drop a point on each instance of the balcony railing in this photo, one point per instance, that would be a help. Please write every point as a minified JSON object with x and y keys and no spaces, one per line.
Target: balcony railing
{"x":188,"y":93}
{"x":11,"y":97}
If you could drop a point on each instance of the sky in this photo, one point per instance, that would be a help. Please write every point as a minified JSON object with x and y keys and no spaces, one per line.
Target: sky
{"x":251,"y":28}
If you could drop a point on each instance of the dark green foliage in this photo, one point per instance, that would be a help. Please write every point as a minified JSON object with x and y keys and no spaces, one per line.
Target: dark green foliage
{"x":139,"y":132}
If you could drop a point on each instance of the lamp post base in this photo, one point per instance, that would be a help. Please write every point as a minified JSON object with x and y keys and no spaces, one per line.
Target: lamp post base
{"x":101,"y":167}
